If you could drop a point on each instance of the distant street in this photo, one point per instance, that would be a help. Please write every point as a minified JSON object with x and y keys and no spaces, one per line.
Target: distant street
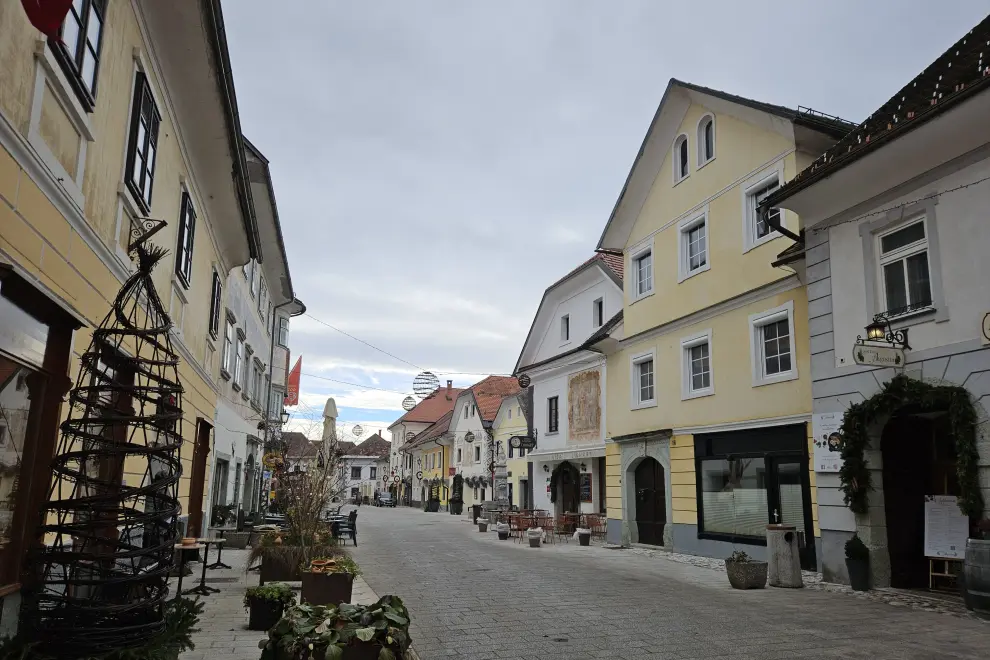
{"x":472,"y":596}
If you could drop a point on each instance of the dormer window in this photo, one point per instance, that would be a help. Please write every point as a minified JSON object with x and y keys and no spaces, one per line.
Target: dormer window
{"x":680,"y":158}
{"x":565,"y":328}
{"x":706,"y":139}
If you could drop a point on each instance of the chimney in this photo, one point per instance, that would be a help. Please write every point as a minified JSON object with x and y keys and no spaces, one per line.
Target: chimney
{"x":449,"y":383}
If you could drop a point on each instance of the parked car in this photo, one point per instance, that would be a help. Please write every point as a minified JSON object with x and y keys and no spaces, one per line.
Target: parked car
{"x":386,"y":499}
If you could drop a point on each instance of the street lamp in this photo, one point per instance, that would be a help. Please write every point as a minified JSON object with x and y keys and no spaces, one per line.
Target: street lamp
{"x":285,"y":416}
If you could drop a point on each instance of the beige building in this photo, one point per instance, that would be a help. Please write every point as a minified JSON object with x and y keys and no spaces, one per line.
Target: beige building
{"x":130,"y":115}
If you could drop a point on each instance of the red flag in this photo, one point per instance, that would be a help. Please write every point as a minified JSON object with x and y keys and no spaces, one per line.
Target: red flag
{"x":292,"y":390}
{"x":47,"y":15}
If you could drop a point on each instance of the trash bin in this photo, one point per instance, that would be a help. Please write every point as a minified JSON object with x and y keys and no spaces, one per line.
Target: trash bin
{"x":783,"y":557}
{"x":475,"y":513}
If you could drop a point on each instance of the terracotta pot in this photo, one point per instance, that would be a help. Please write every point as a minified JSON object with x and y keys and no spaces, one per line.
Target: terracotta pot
{"x":326,"y":588}
{"x":189,"y":541}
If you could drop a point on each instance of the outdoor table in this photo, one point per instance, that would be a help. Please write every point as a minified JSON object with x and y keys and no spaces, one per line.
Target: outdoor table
{"x":202,"y":588}
{"x":218,"y":563}
{"x":182,"y":562}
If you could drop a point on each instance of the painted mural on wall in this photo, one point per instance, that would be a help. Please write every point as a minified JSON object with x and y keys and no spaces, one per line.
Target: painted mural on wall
{"x":584,"y":413}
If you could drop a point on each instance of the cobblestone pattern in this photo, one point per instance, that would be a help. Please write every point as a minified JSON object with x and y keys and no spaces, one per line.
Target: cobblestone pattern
{"x":473,"y":596}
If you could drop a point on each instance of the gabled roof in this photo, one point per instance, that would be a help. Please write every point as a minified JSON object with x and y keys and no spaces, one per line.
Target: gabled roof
{"x":663,"y":129}
{"x":375,"y":445}
{"x":611,"y":263}
{"x":432,"y":407}
{"x":432,"y":432}
{"x":299,"y":446}
{"x":603,"y":331}
{"x":345,"y":447}
{"x":488,"y":393}
{"x":958,"y":74}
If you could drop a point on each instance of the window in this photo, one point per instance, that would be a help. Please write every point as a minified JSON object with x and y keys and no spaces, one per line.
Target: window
{"x":643,"y":269}
{"x":227,"y":357}
{"x":78,"y":50}
{"x":510,"y":451}
{"x":263,"y":299}
{"x":372,"y":472}
{"x":552,"y":415}
{"x":253,"y":278}
{"x":458,"y":455}
{"x":467,"y":411}
{"x":698,"y":378}
{"x":680,"y":158}
{"x":482,"y":494}
{"x":643,"y":386}
{"x":283,"y":331}
{"x":598,"y":313}
{"x":356,"y":472}
{"x":693,"y":256}
{"x":758,"y":229}
{"x":474,"y":410}
{"x":734,"y":496}
{"x":187,"y":232}
{"x":220,"y":475}
{"x":477,"y":454}
{"x":509,"y":411}
{"x":706,"y":140}
{"x":355,"y":493}
{"x":522,"y":452}
{"x":565,"y":328}
{"x":143,"y":149}
{"x":904,"y":272}
{"x":772,"y":345}
{"x":239,"y":360}
{"x":216,"y":293}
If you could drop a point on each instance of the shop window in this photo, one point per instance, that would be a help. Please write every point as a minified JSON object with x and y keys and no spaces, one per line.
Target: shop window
{"x":734,"y":493}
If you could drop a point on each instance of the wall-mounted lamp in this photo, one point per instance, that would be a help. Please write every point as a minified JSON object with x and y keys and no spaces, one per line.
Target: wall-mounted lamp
{"x":881,"y":331}
{"x":583,"y":468}
{"x":546,"y":468}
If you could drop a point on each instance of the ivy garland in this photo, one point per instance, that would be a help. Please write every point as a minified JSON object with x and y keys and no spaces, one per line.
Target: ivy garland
{"x":902,"y":391}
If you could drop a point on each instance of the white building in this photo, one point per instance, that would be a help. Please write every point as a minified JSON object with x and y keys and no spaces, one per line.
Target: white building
{"x":251,"y":337}
{"x":568,"y":381}
{"x":365,"y":468}
{"x":896,"y":230}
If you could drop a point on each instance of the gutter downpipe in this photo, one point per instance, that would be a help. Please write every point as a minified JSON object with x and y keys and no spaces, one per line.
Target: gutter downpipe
{"x":765,"y":212}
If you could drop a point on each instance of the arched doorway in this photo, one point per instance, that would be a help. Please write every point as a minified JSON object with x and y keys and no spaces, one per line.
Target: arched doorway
{"x":919,"y":459}
{"x":651,"y":501}
{"x":565,"y":485}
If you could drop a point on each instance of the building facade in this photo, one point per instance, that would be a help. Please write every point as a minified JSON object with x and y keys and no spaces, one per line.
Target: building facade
{"x":896,"y":228}
{"x":510,"y":421}
{"x":708,"y":372}
{"x":130,"y":115}
{"x":568,"y":379}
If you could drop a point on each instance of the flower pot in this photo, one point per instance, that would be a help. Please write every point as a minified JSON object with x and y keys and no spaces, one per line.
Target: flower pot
{"x":534,"y":536}
{"x":263,"y":614}
{"x":326,"y":588}
{"x":503,"y":531}
{"x":859,"y":574}
{"x":976,"y":575}
{"x":482,"y":525}
{"x":276,"y":571}
{"x":747,"y":574}
{"x":584,"y":538}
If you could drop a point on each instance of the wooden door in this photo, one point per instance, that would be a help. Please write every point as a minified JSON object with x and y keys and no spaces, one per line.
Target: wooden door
{"x":651,"y":501}
{"x":198,"y":483}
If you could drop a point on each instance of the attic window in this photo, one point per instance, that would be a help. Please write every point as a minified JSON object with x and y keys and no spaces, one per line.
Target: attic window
{"x":565,"y":328}
{"x":706,"y":139}
{"x":681,"y":168}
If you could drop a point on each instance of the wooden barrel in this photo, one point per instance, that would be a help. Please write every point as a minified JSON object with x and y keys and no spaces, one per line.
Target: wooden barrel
{"x":976,"y":574}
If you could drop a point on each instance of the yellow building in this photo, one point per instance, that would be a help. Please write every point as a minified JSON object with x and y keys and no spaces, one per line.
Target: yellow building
{"x":130,"y":115}
{"x":429,"y":452}
{"x":510,"y":421}
{"x":708,"y":383}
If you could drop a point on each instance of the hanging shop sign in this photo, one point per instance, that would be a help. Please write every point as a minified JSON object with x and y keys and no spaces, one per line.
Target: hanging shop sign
{"x":946,"y":528}
{"x":419,"y":475}
{"x":522,"y":442}
{"x":828,"y":441}
{"x":395,"y":480}
{"x":878,"y":356}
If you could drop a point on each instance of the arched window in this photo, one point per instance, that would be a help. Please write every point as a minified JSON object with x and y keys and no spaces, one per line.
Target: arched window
{"x":706,"y":139}
{"x":680,"y":158}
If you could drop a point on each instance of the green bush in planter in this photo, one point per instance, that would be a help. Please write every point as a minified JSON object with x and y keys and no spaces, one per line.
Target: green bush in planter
{"x":856,"y":549}
{"x":273,"y":591}
{"x":307,"y":631}
{"x":181,"y":617}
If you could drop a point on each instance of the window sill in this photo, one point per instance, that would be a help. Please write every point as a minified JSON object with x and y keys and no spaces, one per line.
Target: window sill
{"x":237,"y":388}
{"x":710,"y":160}
{"x":911,"y":318}
{"x":678,"y":181}
{"x":552,"y":433}
{"x":633,"y":301}
{"x":225,"y":374}
{"x":697,"y":271}
{"x":772,"y":236}
{"x":697,"y":394}
{"x":566,"y":343}
{"x":244,"y":395}
{"x":760,"y":381}
{"x":644,"y":404}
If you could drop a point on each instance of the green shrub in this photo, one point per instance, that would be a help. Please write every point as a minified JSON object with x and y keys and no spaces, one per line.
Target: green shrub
{"x":856,"y":549}
{"x":273,"y":591}
{"x":739,"y":555}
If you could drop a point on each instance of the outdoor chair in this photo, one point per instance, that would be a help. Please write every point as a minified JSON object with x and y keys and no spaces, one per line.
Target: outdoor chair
{"x":344,"y":528}
{"x":596,"y":523}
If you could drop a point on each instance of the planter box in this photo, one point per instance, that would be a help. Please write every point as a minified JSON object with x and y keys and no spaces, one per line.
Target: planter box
{"x":264,"y":614}
{"x":278,"y":572}
{"x":482,"y":525}
{"x":237,"y":540}
{"x":326,"y":588}
{"x":859,"y":574}
{"x":456,"y":508}
{"x":747,"y":574}
{"x":364,"y":651}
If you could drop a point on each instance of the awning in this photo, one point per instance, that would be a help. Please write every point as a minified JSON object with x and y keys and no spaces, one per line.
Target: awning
{"x":551,"y":455}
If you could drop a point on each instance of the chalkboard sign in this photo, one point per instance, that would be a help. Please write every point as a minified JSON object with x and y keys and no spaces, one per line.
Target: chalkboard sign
{"x":585,"y":487}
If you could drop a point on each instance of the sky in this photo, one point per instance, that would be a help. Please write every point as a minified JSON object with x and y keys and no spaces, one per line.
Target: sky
{"x":437,"y":164}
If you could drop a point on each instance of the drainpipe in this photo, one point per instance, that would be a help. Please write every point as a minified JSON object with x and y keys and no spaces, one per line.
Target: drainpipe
{"x":765,"y":212}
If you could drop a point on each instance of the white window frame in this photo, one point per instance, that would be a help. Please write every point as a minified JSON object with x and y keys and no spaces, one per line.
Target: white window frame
{"x":687,"y":343}
{"x":557,"y":429}
{"x":683,"y":233}
{"x":565,"y":329}
{"x":749,"y":219}
{"x":598,"y":312}
{"x":759,"y":321}
{"x":635,"y":403}
{"x":477,"y":454}
{"x":634,"y":257}
{"x":702,"y":161}
{"x":229,"y":347}
{"x":675,"y":158}
{"x":900,"y":255}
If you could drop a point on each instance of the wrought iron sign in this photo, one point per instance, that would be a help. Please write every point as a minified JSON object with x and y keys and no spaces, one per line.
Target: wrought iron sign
{"x":883,"y":346}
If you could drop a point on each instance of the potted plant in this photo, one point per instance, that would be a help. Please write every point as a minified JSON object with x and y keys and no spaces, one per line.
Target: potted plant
{"x":584,"y":536}
{"x":266,"y":603}
{"x":329,"y":580}
{"x":976,"y":570}
{"x":745,"y":572}
{"x":379,"y":631}
{"x":535,"y":535}
{"x":858,"y":563}
{"x":482,"y":524}
{"x":502,"y":529}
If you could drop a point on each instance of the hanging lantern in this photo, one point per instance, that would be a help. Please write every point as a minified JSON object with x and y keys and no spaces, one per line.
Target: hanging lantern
{"x":408,"y":403}
{"x":425,"y":384}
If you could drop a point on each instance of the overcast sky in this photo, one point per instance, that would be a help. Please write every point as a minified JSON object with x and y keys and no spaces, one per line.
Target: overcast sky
{"x":438,"y":164}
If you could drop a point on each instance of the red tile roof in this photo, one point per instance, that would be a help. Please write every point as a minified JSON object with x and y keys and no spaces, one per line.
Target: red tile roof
{"x":490,"y":392}
{"x":431,"y":432}
{"x":614,"y":262}
{"x":375,"y":445}
{"x":299,"y":446}
{"x":433,"y":407}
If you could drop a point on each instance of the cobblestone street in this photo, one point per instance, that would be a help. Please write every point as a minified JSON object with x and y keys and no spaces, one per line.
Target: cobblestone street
{"x":472,"y":596}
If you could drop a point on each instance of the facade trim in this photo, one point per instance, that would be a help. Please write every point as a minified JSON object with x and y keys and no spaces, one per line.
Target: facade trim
{"x":785,"y":420}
